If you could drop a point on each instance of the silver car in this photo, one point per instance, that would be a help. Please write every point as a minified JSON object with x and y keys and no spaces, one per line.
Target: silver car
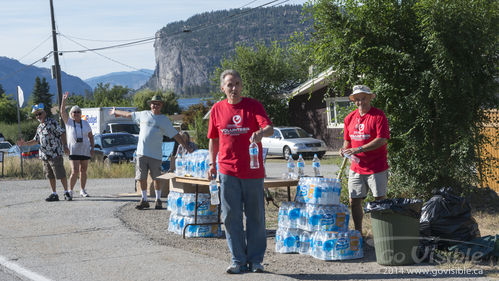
{"x":293,"y":141}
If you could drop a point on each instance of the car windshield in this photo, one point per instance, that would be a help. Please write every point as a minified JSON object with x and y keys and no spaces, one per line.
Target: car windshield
{"x":294,"y":133}
{"x":129,"y":128}
{"x":115,"y":140}
{"x":4,"y":145}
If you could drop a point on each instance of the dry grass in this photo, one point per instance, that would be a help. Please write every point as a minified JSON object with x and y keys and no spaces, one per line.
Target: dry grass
{"x":33,"y":169}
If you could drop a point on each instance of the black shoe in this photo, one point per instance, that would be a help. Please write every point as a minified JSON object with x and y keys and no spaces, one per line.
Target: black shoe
{"x":67,"y":196}
{"x":158,"y":205}
{"x":142,"y":205}
{"x":52,"y":197}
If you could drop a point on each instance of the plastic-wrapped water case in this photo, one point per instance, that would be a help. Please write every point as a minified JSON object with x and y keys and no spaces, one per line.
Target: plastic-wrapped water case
{"x":289,"y":214}
{"x":184,"y":204}
{"x":287,"y":240}
{"x":177,"y":222}
{"x":321,"y":191}
{"x":329,"y":245}
{"x":325,"y":218}
{"x":194,"y":164}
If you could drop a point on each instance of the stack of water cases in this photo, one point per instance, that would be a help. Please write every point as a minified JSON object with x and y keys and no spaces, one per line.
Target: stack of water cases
{"x":182,"y":205}
{"x":316,"y":223}
{"x":194,"y":164}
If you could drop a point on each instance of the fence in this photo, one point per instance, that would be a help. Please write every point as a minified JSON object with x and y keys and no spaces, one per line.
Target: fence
{"x":490,"y":153}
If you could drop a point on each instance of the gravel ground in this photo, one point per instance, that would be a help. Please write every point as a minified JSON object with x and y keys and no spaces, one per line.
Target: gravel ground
{"x":154,"y":224}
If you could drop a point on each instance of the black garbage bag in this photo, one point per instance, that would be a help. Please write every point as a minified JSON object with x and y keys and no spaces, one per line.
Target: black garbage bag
{"x":479,"y":248}
{"x":446,"y":219}
{"x":402,"y":206}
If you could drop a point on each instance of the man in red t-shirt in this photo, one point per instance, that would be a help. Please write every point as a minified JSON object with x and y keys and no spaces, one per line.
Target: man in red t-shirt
{"x":234,"y":122}
{"x":365,"y":135}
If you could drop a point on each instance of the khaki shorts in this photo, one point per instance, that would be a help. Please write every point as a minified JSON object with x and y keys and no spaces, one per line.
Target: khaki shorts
{"x":358,"y":184}
{"x":54,"y":168}
{"x":143,"y":164}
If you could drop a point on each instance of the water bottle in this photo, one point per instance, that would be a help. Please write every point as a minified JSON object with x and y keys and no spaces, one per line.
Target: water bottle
{"x":179,"y":166}
{"x":215,"y":200}
{"x":352,"y":158}
{"x":316,"y":166}
{"x":253,"y":153}
{"x":291,"y":166}
{"x":301,"y":166}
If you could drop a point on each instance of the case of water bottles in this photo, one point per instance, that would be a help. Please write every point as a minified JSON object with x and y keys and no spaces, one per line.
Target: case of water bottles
{"x":194,"y":164}
{"x":321,"y":191}
{"x":316,"y":224}
{"x":177,"y":222}
{"x":182,"y":206}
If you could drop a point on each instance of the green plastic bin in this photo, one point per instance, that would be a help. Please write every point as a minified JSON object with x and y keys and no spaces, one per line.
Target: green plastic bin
{"x":396,"y":238}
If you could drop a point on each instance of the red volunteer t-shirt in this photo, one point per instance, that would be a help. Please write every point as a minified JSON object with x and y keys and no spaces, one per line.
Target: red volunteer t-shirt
{"x":233,"y":125}
{"x":361,"y":130}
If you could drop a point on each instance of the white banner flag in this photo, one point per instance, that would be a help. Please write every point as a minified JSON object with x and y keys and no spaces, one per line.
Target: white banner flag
{"x":20,"y":96}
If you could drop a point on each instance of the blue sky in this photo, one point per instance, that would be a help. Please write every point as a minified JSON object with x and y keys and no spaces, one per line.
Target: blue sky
{"x":25,"y":29}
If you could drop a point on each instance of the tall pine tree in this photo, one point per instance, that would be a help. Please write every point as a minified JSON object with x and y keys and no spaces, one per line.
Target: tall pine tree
{"x":41,"y":94}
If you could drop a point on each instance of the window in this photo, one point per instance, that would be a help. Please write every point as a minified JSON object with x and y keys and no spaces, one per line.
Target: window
{"x":337,"y":109}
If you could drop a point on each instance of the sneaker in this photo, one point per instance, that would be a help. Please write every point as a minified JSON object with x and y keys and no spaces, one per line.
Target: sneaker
{"x":236,"y":269}
{"x":256,"y":267}
{"x":158,"y":204}
{"x":142,"y":204}
{"x":52,"y":197}
{"x":67,"y":196}
{"x":83,"y":193}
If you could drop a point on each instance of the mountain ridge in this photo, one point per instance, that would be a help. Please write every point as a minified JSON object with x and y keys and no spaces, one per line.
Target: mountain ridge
{"x":14,"y":73}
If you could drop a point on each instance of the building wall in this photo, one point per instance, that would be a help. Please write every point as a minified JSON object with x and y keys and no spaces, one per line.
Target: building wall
{"x":309,"y":112}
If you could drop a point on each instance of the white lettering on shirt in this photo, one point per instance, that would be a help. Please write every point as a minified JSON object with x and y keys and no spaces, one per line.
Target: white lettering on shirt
{"x":235,"y":129}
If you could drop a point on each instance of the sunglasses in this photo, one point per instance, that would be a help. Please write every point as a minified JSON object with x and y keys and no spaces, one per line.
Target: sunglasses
{"x":76,"y":111}
{"x":38,"y":114}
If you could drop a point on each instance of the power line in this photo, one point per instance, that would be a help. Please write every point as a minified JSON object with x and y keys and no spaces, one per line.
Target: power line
{"x":140,"y":41}
{"x":106,"y":57}
{"x":196,"y":28}
{"x":100,"y":40}
{"x":44,"y":58}
{"x":37,"y":46}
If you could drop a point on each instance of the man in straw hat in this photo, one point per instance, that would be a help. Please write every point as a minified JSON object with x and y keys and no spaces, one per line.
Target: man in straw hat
{"x":365,"y":135}
{"x":52,"y":140}
{"x":153,"y":126}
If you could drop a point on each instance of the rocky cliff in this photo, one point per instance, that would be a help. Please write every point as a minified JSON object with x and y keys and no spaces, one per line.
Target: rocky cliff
{"x":188,"y":52}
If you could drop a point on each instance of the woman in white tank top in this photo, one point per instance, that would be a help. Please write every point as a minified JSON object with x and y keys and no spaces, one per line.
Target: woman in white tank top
{"x":80,"y":147}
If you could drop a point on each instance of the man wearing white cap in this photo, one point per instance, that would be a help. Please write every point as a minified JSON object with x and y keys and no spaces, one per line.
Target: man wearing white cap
{"x":365,"y":135}
{"x":51,"y":138}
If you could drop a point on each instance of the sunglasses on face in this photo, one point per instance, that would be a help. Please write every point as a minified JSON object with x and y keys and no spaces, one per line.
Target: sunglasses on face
{"x":38,"y":114}
{"x":76,"y":112}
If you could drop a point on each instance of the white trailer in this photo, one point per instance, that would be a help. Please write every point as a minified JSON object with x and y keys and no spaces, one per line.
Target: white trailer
{"x":101,"y":122}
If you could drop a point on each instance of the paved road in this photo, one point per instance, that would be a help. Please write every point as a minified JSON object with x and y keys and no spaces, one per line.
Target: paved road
{"x":84,"y":240}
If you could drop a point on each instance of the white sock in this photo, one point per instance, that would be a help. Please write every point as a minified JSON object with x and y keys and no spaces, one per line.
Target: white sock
{"x":144,"y":195}
{"x":55,"y":193}
{"x":158,"y":194}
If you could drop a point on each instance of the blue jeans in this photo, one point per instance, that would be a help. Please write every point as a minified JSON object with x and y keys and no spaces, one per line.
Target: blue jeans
{"x":238,"y":195}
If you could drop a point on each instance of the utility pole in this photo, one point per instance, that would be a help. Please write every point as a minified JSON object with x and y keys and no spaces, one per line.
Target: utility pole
{"x":56,"y":69}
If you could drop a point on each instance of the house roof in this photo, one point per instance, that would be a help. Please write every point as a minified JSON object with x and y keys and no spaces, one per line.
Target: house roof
{"x":316,"y":83}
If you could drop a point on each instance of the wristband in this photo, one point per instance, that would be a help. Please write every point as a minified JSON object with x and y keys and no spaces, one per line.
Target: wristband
{"x":360,"y":149}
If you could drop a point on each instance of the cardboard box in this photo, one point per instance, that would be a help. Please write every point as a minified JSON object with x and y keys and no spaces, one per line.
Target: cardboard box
{"x":151,"y":192}
{"x":187,"y":187}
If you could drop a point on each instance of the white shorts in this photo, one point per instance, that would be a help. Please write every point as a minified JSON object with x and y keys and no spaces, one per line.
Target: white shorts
{"x":358,"y":184}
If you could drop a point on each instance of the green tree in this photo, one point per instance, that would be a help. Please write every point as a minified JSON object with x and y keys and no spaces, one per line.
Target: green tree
{"x":169,"y":98}
{"x":194,"y":110}
{"x":41,"y":94}
{"x":8,"y":111}
{"x":104,"y":95}
{"x":199,"y":127}
{"x":433,"y":64}
{"x":268,"y":73}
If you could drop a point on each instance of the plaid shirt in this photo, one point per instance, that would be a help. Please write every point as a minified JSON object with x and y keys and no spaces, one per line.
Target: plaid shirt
{"x":48,"y":134}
